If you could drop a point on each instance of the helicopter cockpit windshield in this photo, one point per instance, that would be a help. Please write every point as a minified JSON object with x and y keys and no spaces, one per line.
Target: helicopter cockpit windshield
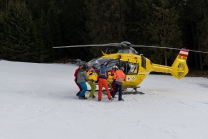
{"x":109,"y":62}
{"x":129,"y":67}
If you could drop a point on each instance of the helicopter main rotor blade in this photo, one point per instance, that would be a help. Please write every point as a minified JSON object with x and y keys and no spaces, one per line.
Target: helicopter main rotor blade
{"x":167,"y":48}
{"x":155,"y":47}
{"x":198,"y":51}
{"x":90,"y":45}
{"x":126,"y":44}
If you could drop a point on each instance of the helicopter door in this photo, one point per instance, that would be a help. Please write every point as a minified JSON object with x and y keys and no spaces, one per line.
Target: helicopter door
{"x":143,"y":61}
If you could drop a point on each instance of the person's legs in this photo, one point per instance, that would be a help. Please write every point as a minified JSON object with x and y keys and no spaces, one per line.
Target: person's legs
{"x":113,"y":86}
{"x":84,"y":89}
{"x":93,"y":87}
{"x":116,"y":90}
{"x":90,"y":83}
{"x":105,"y":85}
{"x":80,"y":88}
{"x":100,"y":85}
{"x":120,"y":92}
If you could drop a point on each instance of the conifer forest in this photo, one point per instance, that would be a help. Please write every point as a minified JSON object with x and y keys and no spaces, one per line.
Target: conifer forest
{"x":30,"y":28}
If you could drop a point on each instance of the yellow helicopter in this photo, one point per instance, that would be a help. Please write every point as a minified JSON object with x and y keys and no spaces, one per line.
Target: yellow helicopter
{"x":137,"y":67}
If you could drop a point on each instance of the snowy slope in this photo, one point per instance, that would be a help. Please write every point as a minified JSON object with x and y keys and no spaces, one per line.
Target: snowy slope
{"x":37,"y":101}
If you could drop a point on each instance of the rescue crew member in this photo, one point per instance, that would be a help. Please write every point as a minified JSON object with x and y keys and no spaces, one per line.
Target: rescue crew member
{"x":113,"y":85}
{"x":75,"y":75}
{"x":119,"y":77}
{"x":102,"y":82}
{"x":81,"y":80}
{"x":92,"y":78}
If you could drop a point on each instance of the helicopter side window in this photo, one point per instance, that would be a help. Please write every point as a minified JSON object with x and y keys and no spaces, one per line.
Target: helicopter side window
{"x":132,"y":67}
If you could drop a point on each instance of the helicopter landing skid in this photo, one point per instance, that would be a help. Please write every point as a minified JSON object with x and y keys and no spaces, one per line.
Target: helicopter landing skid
{"x":134,"y":91}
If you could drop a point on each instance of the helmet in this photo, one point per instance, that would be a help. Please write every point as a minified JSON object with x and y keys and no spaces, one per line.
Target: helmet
{"x":115,"y":67}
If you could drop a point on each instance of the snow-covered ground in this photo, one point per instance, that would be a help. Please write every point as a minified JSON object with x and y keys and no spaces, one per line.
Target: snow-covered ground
{"x":37,"y":101}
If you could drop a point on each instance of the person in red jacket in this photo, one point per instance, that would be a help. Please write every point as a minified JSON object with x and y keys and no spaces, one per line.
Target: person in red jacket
{"x":113,"y":85}
{"x":102,"y":82}
{"x":75,"y":75}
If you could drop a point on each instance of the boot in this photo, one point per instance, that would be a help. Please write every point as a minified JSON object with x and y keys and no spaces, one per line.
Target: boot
{"x":111,"y":99}
{"x":82,"y":97}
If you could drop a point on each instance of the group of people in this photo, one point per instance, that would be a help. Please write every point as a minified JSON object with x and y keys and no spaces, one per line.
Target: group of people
{"x":84,"y":75}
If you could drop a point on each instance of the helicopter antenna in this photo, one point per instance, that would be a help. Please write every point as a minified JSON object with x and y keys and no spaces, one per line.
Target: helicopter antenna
{"x":106,"y":50}
{"x":110,"y":51}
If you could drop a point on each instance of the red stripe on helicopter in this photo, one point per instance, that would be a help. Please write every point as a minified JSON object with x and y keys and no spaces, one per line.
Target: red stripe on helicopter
{"x":184,"y":52}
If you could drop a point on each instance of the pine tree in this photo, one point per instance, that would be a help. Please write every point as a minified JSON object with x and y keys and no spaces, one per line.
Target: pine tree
{"x":137,"y":18}
{"x":202,"y":33}
{"x":3,"y":7}
{"x":36,"y":7}
{"x":195,"y":19}
{"x":71,"y":19}
{"x":1,"y":32}
{"x":106,"y":22}
{"x":48,"y":32}
{"x":18,"y":41}
{"x":164,"y":31}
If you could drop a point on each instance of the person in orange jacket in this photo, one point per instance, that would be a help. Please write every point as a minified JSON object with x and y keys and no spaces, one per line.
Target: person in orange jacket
{"x":119,"y":77}
{"x":75,"y":80}
{"x":102,"y":82}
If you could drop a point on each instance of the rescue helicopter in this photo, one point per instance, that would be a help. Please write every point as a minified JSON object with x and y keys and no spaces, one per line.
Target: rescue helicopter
{"x":136,"y":66}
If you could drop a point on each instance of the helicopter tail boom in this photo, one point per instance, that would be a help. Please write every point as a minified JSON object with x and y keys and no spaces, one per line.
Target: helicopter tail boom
{"x":179,"y":67}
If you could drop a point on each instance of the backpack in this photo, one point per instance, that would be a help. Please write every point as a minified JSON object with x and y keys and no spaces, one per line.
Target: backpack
{"x":103,"y":71}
